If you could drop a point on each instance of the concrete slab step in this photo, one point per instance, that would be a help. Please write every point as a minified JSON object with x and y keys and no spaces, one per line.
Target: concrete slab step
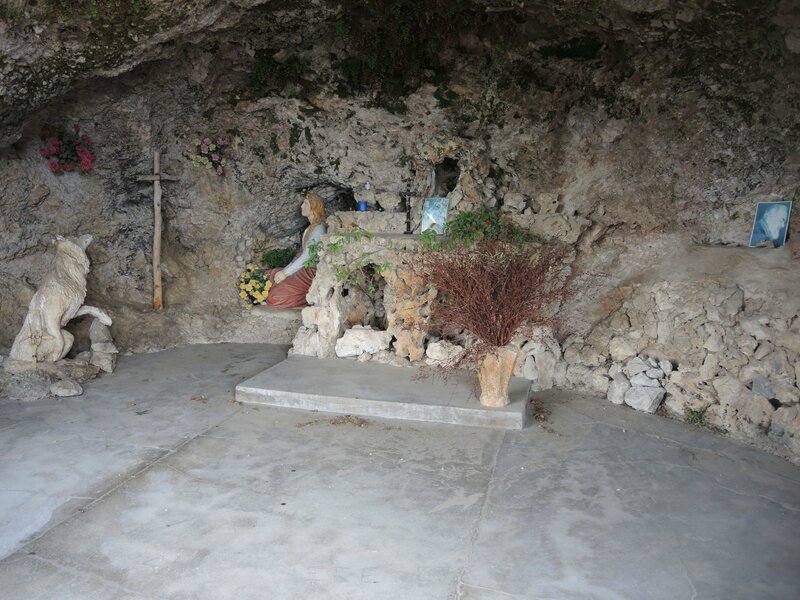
{"x":375,"y":390}
{"x":264,"y":324}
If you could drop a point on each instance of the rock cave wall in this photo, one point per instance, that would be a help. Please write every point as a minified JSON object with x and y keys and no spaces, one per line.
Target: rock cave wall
{"x":640,"y":128}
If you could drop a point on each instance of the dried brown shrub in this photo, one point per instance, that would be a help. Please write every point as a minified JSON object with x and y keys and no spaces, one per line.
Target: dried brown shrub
{"x":493,"y":289}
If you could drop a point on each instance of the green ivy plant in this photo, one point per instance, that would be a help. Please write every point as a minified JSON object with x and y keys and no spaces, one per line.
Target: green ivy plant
{"x":361,"y":271}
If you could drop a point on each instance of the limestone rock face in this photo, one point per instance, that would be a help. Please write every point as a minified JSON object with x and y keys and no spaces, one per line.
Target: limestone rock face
{"x":93,"y":47}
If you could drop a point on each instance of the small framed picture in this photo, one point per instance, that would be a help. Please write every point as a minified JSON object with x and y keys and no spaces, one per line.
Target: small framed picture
{"x":771,"y":224}
{"x":434,"y":215}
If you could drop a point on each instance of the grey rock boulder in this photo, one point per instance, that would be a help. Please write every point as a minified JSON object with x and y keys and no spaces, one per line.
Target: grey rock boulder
{"x":99,"y":333}
{"x":642,"y":380}
{"x":635,"y":365}
{"x":106,"y":361}
{"x":646,"y":399}
{"x":617,"y":388}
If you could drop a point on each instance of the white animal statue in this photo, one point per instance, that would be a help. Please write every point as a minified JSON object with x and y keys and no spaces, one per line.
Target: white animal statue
{"x":58,"y":300}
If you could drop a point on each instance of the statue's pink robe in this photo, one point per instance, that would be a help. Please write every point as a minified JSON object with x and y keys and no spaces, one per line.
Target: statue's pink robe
{"x":291,"y":292}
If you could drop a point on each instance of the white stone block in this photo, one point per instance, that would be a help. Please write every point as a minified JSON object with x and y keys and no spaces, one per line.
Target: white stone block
{"x":444,"y":352}
{"x":356,"y":341}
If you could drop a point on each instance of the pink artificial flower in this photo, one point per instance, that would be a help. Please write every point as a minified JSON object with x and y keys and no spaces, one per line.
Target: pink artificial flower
{"x":215,"y":157}
{"x":221,"y":141}
{"x":206,"y":141}
{"x":220,"y":171}
{"x":43,"y":152}
{"x":86,"y":157}
{"x":203,"y":148}
{"x":54,"y":146}
{"x":86,"y":139}
{"x":69,"y":167}
{"x":53,"y":164}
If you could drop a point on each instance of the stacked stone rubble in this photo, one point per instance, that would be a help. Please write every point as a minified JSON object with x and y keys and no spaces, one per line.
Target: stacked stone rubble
{"x":338,"y":305}
{"x":104,"y":352}
{"x":717,"y":355}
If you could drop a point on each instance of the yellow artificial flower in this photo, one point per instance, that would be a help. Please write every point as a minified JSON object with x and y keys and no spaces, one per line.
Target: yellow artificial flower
{"x":251,"y":267}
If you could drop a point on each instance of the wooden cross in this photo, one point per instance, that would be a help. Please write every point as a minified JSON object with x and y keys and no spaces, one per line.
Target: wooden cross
{"x":157,"y":178}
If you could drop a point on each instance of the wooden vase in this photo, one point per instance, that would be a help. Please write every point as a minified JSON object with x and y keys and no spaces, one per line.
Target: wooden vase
{"x":494,"y":374}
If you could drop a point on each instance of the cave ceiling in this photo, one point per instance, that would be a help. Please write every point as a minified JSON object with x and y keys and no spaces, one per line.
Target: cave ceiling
{"x":47,"y":49}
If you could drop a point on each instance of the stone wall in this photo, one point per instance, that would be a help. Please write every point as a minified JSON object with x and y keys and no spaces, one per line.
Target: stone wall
{"x":733,"y":357}
{"x":720,"y":350}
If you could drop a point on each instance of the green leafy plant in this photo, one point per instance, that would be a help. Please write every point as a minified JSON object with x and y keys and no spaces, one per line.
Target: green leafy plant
{"x":484,"y":225}
{"x":429,"y":241}
{"x":277,"y":258}
{"x":696,"y":416}
{"x":314,"y":248}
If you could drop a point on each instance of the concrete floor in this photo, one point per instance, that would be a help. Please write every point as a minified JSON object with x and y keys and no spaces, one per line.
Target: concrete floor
{"x":155,"y":485}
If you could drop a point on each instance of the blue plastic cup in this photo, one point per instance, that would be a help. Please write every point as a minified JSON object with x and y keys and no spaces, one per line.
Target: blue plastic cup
{"x":362,"y":205}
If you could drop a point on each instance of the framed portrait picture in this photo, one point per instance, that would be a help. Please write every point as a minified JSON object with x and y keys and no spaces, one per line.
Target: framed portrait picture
{"x":771,"y":224}
{"x":434,"y":215}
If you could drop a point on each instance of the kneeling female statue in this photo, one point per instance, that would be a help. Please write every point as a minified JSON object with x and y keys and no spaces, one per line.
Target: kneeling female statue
{"x":290,"y":284}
